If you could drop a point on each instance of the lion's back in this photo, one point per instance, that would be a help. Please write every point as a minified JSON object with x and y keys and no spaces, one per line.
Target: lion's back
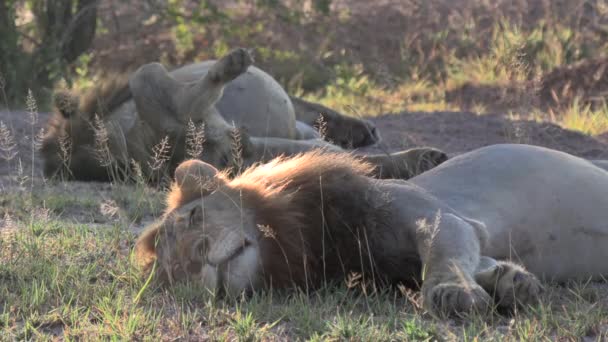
{"x":502,"y":176}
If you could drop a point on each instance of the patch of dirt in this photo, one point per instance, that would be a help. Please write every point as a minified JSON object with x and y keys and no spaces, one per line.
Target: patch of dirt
{"x":459,"y":132}
{"x":384,"y":36}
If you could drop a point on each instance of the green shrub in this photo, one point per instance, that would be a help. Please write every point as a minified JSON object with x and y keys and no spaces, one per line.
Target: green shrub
{"x":40,"y":39}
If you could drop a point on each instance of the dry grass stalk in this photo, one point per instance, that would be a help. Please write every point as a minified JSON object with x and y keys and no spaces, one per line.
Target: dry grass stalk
{"x":32,"y":107}
{"x":237,"y":150}
{"x":160,"y":154}
{"x":321,"y":126}
{"x":195,"y":139}
{"x":8,"y":147}
{"x":102,"y":149}
{"x":65,"y":150}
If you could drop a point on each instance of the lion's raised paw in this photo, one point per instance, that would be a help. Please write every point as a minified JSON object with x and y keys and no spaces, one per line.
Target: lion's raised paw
{"x":231,"y":65}
{"x":431,"y":157}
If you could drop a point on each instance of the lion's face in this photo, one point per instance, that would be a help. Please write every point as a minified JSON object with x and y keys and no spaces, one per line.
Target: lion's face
{"x":213,"y":240}
{"x":262,"y":229}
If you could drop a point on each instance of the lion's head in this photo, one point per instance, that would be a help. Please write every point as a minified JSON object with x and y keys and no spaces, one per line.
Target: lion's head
{"x":201,"y":244}
{"x":262,"y":228}
{"x":206,"y":233}
{"x":126,"y":119}
{"x":68,"y":145}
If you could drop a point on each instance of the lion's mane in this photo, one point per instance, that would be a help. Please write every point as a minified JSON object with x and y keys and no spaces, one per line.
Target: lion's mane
{"x":71,"y":126}
{"x":319,"y":213}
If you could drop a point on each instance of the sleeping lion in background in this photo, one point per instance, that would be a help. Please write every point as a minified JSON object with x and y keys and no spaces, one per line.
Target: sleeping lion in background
{"x":477,"y":232}
{"x":227,"y":113}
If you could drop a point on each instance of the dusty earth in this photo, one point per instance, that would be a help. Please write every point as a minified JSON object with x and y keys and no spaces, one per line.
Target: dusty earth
{"x":459,"y":132}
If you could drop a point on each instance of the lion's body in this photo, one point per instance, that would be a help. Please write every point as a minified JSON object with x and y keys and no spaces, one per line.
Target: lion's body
{"x":227,"y":111}
{"x":465,"y":225}
{"x":542,"y":208}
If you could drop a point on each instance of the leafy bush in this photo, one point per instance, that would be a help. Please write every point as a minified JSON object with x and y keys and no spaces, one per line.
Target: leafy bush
{"x":40,"y":39}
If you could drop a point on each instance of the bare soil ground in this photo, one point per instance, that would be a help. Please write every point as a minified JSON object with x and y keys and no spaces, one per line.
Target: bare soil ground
{"x":459,"y":132}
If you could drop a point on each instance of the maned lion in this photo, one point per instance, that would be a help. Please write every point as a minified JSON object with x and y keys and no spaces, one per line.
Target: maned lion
{"x":476,"y":231}
{"x":157,"y":119}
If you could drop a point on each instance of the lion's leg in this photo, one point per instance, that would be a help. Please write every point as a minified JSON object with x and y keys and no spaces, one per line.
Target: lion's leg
{"x":450,"y":249}
{"x":400,"y":165}
{"x":343,"y":130}
{"x":509,"y":283}
{"x":406,"y":164}
{"x":167,"y":104}
{"x":208,"y":90}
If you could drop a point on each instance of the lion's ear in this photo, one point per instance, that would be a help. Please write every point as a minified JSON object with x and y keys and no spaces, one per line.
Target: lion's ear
{"x":145,"y":246}
{"x":66,"y":103}
{"x":193,"y":179}
{"x":197,"y":176}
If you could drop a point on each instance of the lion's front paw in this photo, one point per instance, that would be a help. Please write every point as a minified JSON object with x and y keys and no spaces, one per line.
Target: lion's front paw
{"x":420,"y":159}
{"x":430,"y":157}
{"x":454,"y":299}
{"x":354,"y":133}
{"x":517,"y":287}
{"x":231,"y":66}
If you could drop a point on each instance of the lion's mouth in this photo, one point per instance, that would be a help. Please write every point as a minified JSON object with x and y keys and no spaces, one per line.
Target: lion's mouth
{"x":235,"y":253}
{"x":231,"y":275}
